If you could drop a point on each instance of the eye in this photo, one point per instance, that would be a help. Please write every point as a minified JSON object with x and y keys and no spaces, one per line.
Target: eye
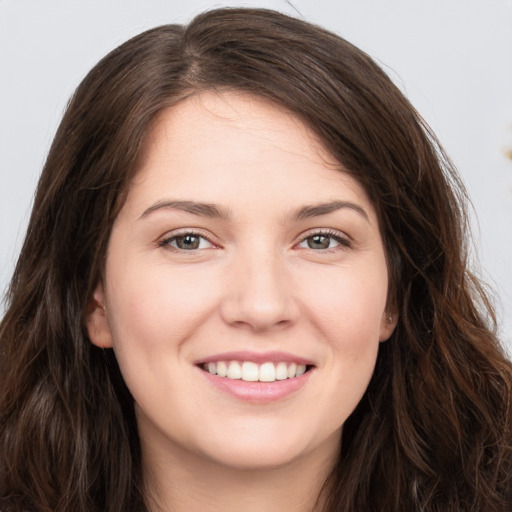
{"x":324,"y":241}
{"x":186,"y":242}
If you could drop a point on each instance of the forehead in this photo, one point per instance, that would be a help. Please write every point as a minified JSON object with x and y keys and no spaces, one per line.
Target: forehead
{"x":208,"y":114}
{"x":213,"y":143}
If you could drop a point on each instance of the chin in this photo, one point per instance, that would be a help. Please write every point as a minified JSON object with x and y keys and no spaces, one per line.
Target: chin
{"x":264,"y":450}
{"x":254,"y":458}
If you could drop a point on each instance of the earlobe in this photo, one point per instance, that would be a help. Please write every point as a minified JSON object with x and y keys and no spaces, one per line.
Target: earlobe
{"x":388,"y":324}
{"x":97,"y":320}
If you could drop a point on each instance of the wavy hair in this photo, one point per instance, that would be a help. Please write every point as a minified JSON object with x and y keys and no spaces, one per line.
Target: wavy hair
{"x":433,"y":430}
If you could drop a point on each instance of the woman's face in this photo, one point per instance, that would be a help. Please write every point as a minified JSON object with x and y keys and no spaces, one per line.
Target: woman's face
{"x":242,"y":257}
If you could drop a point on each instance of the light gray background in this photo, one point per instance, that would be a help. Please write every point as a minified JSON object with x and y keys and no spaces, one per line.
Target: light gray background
{"x":453,"y":59}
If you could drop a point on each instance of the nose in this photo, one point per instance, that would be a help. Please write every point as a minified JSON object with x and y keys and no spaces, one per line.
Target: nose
{"x":259,"y":294}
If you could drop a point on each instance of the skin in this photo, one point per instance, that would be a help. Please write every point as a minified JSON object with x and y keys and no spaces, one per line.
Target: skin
{"x":257,"y":282}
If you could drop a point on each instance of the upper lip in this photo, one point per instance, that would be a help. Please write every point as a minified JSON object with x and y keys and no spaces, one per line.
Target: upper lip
{"x":256,"y":357}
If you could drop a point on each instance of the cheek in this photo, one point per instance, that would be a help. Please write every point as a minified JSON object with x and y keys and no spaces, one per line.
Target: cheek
{"x":349,"y":305}
{"x":160,"y":304}
{"x":153,"y":313}
{"x":349,"y":318}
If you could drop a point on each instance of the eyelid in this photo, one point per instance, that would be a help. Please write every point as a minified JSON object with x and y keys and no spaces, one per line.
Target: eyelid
{"x":165,"y":240}
{"x":343,"y":239}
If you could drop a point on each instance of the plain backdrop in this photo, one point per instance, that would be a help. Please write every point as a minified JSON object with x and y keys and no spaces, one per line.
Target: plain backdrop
{"x":452,"y":59}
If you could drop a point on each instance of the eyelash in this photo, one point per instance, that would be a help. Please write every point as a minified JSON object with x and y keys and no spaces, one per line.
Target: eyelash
{"x":166,"y":242}
{"x":344,"y":242}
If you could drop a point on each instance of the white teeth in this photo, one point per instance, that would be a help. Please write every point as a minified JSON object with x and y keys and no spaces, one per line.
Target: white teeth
{"x":267,"y":372}
{"x":234,"y":370}
{"x":301,"y":368}
{"x":292,"y":370}
{"x":222,"y":369}
{"x":281,"y":371}
{"x":252,"y":372}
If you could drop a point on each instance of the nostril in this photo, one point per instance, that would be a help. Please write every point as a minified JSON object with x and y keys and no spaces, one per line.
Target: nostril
{"x":259,"y":303}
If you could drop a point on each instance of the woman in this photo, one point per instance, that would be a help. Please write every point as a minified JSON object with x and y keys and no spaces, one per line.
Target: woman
{"x":244,"y":286}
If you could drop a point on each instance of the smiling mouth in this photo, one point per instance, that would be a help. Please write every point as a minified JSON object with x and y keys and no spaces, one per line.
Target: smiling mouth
{"x":249,"y":371}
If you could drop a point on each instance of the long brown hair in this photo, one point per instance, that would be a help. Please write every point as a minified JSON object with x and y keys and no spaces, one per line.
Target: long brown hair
{"x":433,"y":431}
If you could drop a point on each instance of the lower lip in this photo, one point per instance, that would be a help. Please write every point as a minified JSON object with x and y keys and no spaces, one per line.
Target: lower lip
{"x":257,"y":392}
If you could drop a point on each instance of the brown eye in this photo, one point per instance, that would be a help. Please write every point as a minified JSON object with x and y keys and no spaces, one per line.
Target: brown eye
{"x":186,"y":242}
{"x":319,"y":242}
{"x":324,"y":241}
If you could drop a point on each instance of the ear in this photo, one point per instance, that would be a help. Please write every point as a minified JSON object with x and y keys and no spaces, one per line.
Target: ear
{"x":387,"y":325}
{"x":97,"y":321}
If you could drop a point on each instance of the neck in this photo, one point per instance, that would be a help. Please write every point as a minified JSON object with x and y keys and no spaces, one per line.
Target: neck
{"x":184,"y":482}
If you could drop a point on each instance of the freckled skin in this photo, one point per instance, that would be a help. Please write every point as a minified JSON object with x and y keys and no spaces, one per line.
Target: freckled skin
{"x":257,"y":282}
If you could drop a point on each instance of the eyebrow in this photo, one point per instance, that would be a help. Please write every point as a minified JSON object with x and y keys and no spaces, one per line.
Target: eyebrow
{"x":213,"y":211}
{"x":308,"y":212}
{"x":201,"y":209}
